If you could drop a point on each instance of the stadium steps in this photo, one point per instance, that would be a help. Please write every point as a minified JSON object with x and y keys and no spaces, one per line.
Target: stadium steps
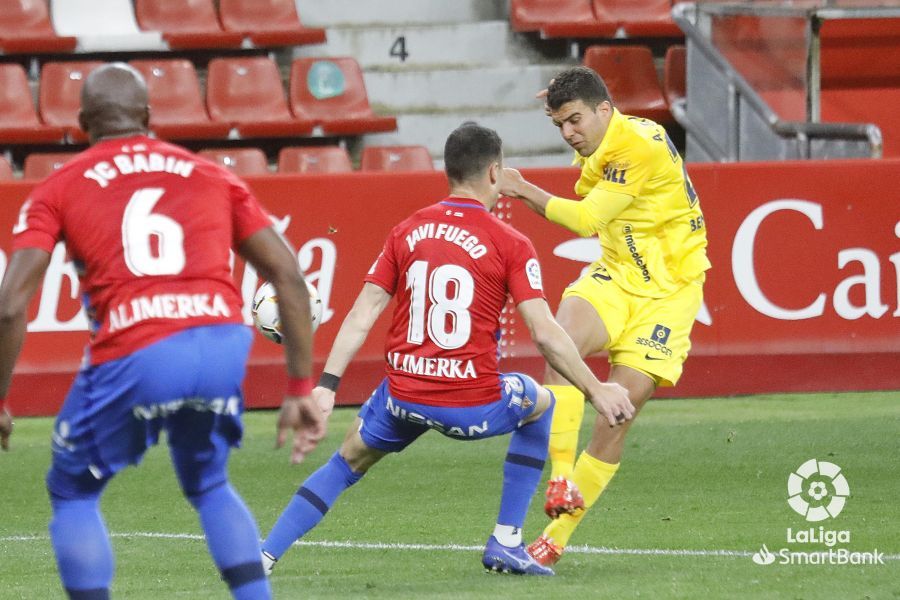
{"x":476,"y":44}
{"x":422,"y":90}
{"x":490,"y":76}
{"x":398,"y":12}
{"x":525,"y":132}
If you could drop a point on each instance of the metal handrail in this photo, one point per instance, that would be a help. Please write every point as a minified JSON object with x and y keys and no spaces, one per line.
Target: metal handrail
{"x":799,"y":130}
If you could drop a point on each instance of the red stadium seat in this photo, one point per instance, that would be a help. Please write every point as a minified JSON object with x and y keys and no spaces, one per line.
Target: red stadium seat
{"x":638,"y":18}
{"x":59,"y":98}
{"x":674,"y":74}
{"x":268,"y":22}
{"x":631,"y":77}
{"x":186,"y":23}
{"x":241,"y":161}
{"x":332,"y":92}
{"x":39,"y":165}
{"x":176,"y":105}
{"x":314,"y":159}
{"x":247,"y":93}
{"x":396,"y":158}
{"x":19,"y":122}
{"x":25,"y":29}
{"x":558,"y":18}
{"x":6,"y":173}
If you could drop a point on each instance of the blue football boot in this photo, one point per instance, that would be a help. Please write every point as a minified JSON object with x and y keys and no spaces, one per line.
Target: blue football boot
{"x":503,"y":559}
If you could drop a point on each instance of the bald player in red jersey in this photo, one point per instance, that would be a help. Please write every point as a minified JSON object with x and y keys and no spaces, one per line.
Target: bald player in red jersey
{"x":149,"y":227}
{"x":451,"y":267}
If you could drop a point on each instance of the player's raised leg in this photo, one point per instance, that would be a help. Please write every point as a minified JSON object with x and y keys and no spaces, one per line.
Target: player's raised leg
{"x":318,"y":493}
{"x":596,"y":466}
{"x":521,"y":475}
{"x":581,"y":322}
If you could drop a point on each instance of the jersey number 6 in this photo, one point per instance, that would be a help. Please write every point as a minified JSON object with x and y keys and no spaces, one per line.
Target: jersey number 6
{"x":139,"y":223}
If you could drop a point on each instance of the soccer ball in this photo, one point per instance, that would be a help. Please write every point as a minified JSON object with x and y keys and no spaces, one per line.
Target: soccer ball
{"x":265,"y":310}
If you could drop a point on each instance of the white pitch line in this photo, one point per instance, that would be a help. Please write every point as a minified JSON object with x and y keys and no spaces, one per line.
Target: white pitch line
{"x":433,"y":547}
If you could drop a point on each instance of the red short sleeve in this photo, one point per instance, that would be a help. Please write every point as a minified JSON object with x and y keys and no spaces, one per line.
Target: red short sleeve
{"x":524,"y":275}
{"x":39,"y":224}
{"x":247,"y":214}
{"x":384,"y":270}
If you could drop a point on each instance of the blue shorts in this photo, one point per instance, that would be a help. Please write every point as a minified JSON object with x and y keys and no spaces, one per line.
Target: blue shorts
{"x":188,"y":383}
{"x":390,"y":425}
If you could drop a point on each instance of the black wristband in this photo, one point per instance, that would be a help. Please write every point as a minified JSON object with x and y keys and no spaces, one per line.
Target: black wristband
{"x":327,"y":380}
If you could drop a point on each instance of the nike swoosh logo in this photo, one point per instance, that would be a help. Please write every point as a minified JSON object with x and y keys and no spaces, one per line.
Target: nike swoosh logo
{"x":648,"y":357}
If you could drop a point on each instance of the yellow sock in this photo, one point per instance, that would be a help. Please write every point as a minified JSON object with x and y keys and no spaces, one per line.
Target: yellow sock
{"x":591,"y":475}
{"x":564,"y":428}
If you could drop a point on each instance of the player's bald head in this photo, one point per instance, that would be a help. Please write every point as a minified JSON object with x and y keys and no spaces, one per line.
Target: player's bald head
{"x":114,"y":101}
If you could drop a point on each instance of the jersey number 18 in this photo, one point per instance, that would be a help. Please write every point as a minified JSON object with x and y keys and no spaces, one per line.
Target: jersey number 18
{"x":450,"y":289}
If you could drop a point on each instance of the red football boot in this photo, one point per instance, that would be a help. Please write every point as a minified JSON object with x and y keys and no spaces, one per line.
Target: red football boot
{"x":563,"y":498}
{"x":544,"y":551}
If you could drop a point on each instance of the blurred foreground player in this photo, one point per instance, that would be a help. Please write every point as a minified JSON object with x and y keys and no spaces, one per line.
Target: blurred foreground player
{"x":451,"y":267}
{"x":149,"y":226}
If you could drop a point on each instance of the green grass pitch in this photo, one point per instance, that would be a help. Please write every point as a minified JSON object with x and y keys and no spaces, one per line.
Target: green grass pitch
{"x":703,"y":485}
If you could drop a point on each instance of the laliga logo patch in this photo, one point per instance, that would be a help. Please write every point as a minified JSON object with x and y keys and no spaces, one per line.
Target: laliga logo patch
{"x":533,"y":272}
{"x":661,"y":334}
{"x":817,"y":490}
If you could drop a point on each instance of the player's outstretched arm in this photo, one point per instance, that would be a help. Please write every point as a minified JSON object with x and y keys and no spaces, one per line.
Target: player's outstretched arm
{"x":368,"y":306}
{"x":275,"y":262}
{"x":22,"y":279}
{"x":583,"y":217}
{"x":610,"y":399}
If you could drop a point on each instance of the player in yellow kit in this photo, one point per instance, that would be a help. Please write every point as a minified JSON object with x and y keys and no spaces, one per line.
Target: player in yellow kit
{"x":638,"y":301}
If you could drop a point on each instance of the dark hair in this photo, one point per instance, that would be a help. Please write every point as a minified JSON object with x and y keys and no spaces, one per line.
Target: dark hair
{"x":577,"y":83}
{"x":469,"y":150}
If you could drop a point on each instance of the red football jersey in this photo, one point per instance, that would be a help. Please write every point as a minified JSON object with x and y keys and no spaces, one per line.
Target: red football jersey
{"x":451,"y":267}
{"x":149,"y":227}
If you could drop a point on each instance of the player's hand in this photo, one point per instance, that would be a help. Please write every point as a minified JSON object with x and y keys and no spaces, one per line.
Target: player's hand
{"x":542,"y":95}
{"x":324,"y":398}
{"x":6,"y":427}
{"x":510,"y":182}
{"x":611,"y":400}
{"x":307,"y":420}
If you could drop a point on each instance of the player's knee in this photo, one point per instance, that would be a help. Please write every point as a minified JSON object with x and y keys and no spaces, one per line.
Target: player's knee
{"x":544,"y":401}
{"x":62,"y":485}
{"x":579,"y":319}
{"x":358,"y":455}
{"x":199,"y":497}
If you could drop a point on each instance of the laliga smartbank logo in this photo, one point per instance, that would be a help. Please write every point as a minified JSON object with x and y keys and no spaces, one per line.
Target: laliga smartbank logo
{"x":817,"y":491}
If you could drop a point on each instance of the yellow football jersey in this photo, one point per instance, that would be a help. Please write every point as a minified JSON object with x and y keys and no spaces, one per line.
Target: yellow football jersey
{"x":657,"y":242}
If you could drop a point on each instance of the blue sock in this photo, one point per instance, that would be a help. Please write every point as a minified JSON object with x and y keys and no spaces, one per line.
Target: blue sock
{"x":317,"y":494}
{"x":81,"y":543}
{"x":522,"y":469}
{"x":233,"y":541}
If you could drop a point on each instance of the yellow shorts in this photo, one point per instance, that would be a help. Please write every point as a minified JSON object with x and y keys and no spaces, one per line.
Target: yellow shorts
{"x":651,"y":335}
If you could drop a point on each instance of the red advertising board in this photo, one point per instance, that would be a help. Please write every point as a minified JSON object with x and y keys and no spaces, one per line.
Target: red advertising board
{"x":803,"y":294}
